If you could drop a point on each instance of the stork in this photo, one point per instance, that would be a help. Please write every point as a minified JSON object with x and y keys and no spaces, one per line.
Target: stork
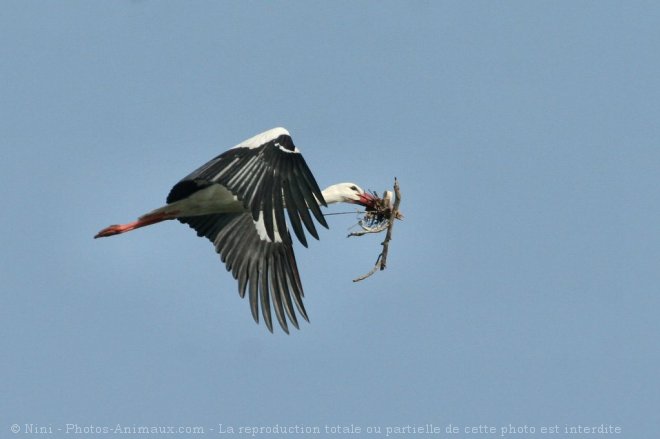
{"x":237,"y":201}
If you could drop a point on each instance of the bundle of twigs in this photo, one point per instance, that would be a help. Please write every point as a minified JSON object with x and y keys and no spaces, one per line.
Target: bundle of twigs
{"x":378,"y":218}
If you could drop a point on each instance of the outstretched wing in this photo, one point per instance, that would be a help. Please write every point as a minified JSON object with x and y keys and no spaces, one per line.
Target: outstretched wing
{"x":266,"y":173}
{"x":266,"y":270}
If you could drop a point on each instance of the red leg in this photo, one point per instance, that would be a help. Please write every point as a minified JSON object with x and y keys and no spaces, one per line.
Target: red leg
{"x":147,"y":220}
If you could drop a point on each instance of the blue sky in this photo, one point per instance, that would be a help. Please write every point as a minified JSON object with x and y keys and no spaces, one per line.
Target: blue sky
{"x":522,"y":286}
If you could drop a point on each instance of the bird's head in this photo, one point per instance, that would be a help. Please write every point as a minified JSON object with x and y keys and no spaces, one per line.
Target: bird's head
{"x":348,"y":193}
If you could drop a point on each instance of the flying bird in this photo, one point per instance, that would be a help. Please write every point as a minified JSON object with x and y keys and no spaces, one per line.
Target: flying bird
{"x":238,"y":201}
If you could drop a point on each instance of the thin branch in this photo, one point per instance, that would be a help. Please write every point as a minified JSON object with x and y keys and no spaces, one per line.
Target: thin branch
{"x":394,"y":215}
{"x":381,"y":262}
{"x":343,"y":213}
{"x":365,"y":230}
{"x":373,"y":270}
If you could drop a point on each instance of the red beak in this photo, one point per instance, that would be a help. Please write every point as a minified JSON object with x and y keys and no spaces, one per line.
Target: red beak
{"x":367,"y":200}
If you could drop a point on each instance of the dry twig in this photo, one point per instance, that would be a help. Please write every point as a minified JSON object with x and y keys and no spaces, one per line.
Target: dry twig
{"x":394,"y":213}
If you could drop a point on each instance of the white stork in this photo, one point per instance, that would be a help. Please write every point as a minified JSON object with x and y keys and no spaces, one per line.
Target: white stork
{"x":237,"y":200}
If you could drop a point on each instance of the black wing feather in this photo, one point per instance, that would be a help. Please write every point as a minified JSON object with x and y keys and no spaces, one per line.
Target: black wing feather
{"x":294,"y":213}
{"x":266,"y":270}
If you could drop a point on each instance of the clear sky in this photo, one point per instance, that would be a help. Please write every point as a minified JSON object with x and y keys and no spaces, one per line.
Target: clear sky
{"x":522,"y":286}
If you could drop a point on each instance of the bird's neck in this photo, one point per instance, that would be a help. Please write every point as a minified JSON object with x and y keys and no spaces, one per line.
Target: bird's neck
{"x":331,"y":195}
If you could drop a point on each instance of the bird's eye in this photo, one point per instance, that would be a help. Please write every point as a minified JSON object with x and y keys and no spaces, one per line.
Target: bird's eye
{"x":354,"y":188}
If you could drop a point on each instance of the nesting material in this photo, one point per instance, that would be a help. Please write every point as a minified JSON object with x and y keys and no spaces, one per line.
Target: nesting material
{"x":380,"y":217}
{"x":376,"y":217}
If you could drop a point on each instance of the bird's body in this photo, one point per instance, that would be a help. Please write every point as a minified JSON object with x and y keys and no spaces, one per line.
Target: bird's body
{"x":238,"y":201}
